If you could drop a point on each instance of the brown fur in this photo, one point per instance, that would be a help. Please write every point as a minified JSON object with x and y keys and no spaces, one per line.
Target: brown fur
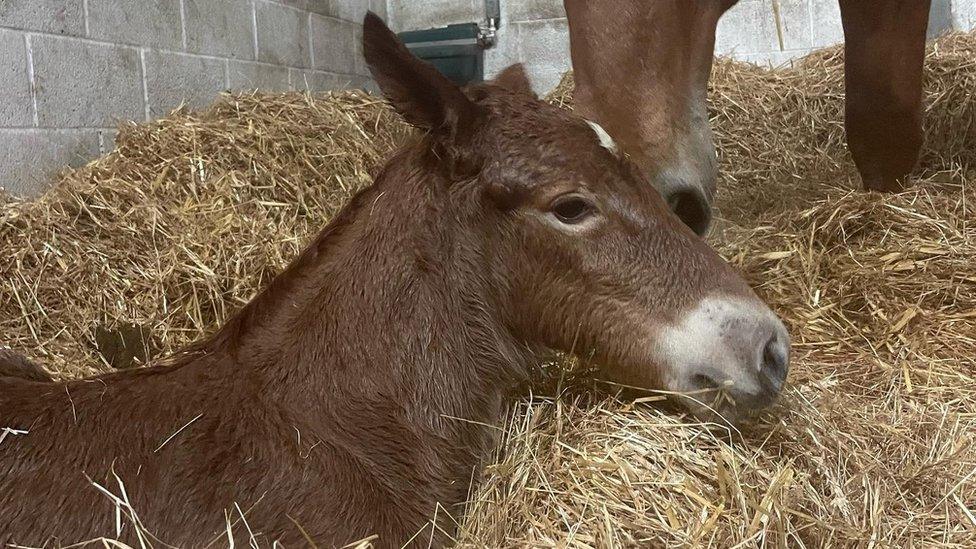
{"x":884,"y":56}
{"x":357,"y":392}
{"x":641,"y":71}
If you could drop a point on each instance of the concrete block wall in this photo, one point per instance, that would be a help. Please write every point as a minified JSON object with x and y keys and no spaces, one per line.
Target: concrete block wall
{"x":425,"y":14}
{"x":70,"y":70}
{"x":963,"y":14}
{"x":770,"y":32}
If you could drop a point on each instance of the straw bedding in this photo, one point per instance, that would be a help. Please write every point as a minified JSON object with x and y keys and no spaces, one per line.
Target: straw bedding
{"x":871,"y":444}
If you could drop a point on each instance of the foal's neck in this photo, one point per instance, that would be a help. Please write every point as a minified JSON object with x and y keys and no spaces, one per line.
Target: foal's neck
{"x":383,"y":306}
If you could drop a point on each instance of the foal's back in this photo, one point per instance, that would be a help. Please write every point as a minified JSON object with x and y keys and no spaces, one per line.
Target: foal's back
{"x":46,"y":476}
{"x":204,"y":447}
{"x":215,"y":439}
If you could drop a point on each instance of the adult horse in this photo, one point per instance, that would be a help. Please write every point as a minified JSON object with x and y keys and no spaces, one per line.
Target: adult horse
{"x":358,"y":391}
{"x":642,"y":68}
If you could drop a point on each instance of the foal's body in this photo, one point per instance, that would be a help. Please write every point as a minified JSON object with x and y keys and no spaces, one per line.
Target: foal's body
{"x":288,"y":409}
{"x":356,"y":394}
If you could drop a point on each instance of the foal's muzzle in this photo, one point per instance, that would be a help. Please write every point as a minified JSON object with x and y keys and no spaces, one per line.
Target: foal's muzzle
{"x":730,"y":357}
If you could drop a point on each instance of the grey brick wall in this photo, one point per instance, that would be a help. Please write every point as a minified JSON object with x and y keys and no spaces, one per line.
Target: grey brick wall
{"x":963,"y":13}
{"x":423,"y":14}
{"x":771,"y":32}
{"x":70,"y":70}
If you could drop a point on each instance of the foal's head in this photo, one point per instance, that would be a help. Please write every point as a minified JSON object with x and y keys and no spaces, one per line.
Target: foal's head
{"x":574,"y":249}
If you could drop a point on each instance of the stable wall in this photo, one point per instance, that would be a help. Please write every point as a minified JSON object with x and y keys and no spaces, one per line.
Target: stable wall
{"x":71,"y":70}
{"x":773,"y":32}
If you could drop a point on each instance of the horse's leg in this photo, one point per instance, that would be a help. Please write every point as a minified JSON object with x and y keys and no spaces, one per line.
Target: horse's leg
{"x":884,"y":52}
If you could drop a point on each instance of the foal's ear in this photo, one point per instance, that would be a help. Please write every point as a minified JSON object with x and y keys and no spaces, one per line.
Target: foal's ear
{"x":423,"y":96}
{"x":515,"y":79}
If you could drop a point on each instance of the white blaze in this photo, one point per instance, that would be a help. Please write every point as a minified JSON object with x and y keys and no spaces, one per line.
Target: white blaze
{"x":606,"y":141}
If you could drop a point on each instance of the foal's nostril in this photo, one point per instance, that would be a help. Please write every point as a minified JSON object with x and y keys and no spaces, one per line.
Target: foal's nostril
{"x":704,"y":382}
{"x":691,"y":207}
{"x":776,"y":361}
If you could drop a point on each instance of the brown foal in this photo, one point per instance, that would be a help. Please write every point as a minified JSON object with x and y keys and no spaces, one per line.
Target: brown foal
{"x":356,"y":393}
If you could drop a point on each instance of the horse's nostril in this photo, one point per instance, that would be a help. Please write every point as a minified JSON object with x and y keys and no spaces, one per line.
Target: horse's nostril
{"x":691,"y":207}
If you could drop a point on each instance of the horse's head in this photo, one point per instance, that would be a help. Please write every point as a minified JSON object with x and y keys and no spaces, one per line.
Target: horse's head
{"x":641,"y":70}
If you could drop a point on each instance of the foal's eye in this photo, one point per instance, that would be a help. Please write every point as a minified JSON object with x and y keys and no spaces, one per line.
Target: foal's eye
{"x":571,"y":209}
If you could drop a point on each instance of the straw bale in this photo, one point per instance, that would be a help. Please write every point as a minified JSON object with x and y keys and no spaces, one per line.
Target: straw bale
{"x":184,"y":222}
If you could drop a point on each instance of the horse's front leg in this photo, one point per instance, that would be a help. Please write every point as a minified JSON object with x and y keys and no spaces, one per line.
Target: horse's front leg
{"x":884,"y":53}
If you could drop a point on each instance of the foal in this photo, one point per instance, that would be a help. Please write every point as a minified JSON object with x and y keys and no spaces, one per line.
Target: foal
{"x":354,"y":394}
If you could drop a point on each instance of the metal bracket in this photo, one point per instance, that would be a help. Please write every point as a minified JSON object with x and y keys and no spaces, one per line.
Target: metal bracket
{"x":487,"y":33}
{"x":488,"y":29}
